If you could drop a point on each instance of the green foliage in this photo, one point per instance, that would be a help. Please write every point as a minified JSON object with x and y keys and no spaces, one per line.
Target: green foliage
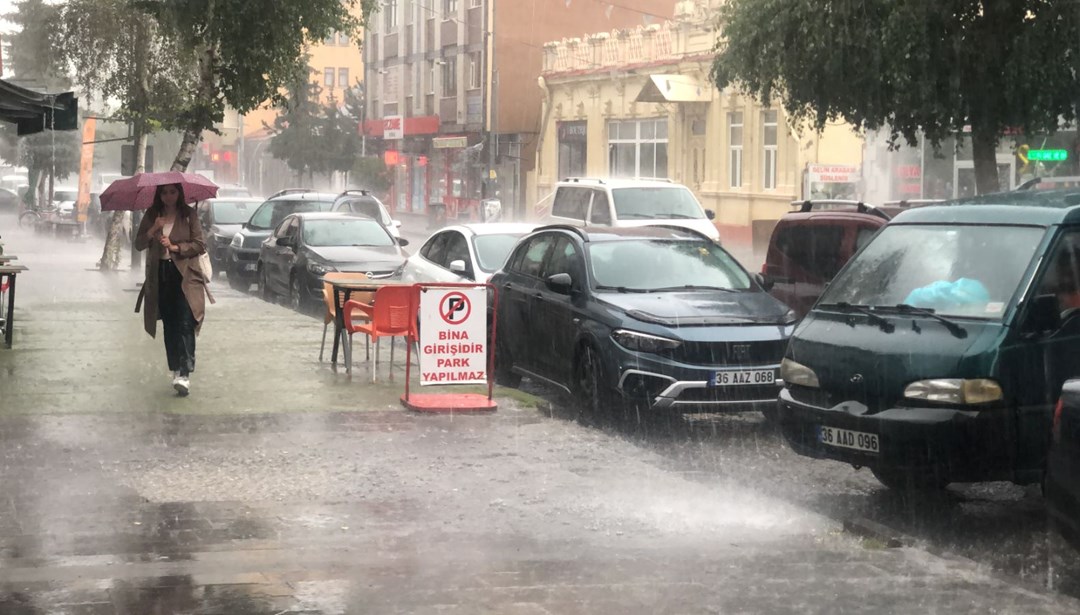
{"x":49,"y":151}
{"x":908,"y":66}
{"x":33,"y":44}
{"x":370,"y":172}
{"x":247,"y":49}
{"x":115,"y":51}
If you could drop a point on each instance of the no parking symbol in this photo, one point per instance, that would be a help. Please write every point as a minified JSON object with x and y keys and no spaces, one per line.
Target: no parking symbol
{"x":453,"y":336}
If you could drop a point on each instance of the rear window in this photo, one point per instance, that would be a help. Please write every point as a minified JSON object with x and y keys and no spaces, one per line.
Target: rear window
{"x":814,"y":248}
{"x":571,"y":203}
{"x":366,"y":206}
{"x":271,"y":213}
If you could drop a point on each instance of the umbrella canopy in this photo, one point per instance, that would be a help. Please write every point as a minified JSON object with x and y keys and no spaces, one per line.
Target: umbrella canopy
{"x":137,"y":192}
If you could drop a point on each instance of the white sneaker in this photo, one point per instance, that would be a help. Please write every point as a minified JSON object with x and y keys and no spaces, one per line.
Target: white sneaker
{"x":175,"y":377}
{"x":182,"y":385}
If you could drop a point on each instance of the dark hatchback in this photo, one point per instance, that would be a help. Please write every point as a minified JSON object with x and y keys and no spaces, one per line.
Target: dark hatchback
{"x":242,"y":263}
{"x":1062,"y":486}
{"x":938,"y":353}
{"x":660,"y":318}
{"x":305,"y":247}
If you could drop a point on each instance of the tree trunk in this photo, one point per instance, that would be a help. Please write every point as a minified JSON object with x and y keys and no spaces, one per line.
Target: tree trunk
{"x":110,"y":256}
{"x":205,"y":90}
{"x":984,"y":153}
{"x":140,"y":167}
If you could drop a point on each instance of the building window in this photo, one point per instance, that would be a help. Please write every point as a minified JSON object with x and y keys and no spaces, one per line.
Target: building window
{"x":328,"y":77}
{"x":475,"y":4}
{"x":343,"y":77}
{"x":343,"y":39}
{"x":475,"y":66}
{"x":331,"y":40}
{"x":768,"y":123}
{"x":449,"y":8}
{"x":449,"y":77}
{"x":409,"y":11}
{"x":573,"y":145}
{"x":390,"y":15}
{"x":638,"y":148}
{"x":735,"y":145}
{"x":431,"y":77}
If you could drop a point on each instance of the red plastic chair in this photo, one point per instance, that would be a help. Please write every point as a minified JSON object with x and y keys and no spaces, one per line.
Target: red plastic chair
{"x":392,"y":314}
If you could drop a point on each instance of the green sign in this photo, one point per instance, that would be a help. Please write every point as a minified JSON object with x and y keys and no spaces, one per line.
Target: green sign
{"x":1048,"y":155}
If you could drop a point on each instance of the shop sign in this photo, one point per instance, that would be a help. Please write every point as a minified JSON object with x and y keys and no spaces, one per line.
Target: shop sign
{"x":832,"y":174}
{"x":453,"y":336}
{"x":449,"y":142}
{"x":572,"y":132}
{"x":393,"y":127}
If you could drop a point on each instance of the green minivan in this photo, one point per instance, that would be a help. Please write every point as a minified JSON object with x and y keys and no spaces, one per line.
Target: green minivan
{"x":937,"y":353}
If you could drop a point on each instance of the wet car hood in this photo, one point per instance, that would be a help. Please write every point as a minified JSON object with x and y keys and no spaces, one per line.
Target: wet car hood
{"x":359,"y":258}
{"x":856,"y":360}
{"x":700,"y":307}
{"x":253,"y":237}
{"x":225,"y":230}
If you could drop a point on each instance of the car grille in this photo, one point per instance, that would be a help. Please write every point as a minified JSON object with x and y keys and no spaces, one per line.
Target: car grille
{"x":730,"y":353}
{"x":729,"y":394}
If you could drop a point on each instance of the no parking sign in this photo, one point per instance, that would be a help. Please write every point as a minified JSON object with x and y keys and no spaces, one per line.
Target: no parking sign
{"x":453,"y":336}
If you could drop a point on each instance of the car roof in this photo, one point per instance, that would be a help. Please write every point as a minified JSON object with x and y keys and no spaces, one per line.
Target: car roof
{"x":235,"y":199}
{"x":619,"y":182}
{"x":329,"y":215}
{"x":600,"y":234}
{"x":304,"y":196}
{"x":493,"y":228}
{"x":1020,"y":207}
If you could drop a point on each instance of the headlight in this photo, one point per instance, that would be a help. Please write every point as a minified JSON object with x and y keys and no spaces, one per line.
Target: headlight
{"x":792,"y":372}
{"x":237,"y":241}
{"x":641,"y":342}
{"x":955,"y":391}
{"x":319,"y":268}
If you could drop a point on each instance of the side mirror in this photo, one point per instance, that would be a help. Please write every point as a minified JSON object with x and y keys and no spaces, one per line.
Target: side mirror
{"x":764,"y":281}
{"x":396,"y":223}
{"x":1043,"y":314}
{"x":286,"y":242}
{"x":458,"y":267}
{"x":561,"y":283}
{"x":710,"y":214}
{"x":401,"y":241}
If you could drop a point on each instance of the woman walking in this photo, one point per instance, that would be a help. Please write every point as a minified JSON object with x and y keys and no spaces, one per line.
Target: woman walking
{"x":175,"y":288}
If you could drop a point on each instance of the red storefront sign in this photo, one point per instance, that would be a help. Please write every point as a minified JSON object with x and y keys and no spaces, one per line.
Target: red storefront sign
{"x":423,"y":125}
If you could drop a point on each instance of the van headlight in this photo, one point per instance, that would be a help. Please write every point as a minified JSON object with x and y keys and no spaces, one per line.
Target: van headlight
{"x":237,"y":241}
{"x":643,"y":342}
{"x":793,"y":372}
{"x":955,"y":391}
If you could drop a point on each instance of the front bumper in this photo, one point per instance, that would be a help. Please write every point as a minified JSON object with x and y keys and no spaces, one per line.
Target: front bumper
{"x":957,"y":444}
{"x":688,"y":388}
{"x":243,"y":263}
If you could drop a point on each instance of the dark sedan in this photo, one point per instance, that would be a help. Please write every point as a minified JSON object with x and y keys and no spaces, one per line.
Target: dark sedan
{"x":222,"y":219}
{"x":1063,"y":465}
{"x":243,"y":254}
{"x":660,"y":319}
{"x":305,"y":247}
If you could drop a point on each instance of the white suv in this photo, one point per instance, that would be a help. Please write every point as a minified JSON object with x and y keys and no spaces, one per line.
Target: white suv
{"x":628,"y":202}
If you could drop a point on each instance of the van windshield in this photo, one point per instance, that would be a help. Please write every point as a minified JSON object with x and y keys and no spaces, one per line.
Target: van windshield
{"x":965,"y":271}
{"x":656,"y":203}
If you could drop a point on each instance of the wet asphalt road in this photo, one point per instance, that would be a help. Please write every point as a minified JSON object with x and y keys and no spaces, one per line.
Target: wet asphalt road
{"x":282,"y":487}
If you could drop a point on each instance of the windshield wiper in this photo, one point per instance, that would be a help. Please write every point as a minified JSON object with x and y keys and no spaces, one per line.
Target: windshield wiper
{"x":954,"y":327}
{"x":621,"y":289}
{"x":877,"y":319}
{"x":682,"y":217}
{"x":693,"y":287}
{"x":636,"y":216}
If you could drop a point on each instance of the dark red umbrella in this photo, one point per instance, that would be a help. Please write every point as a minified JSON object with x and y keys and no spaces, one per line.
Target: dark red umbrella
{"x":137,"y":192}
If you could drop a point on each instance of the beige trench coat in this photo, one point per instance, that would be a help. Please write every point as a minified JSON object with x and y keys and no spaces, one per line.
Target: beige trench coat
{"x":189,"y":238}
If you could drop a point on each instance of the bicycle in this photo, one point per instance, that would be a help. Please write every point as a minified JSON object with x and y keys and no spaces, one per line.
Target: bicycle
{"x":31,"y":217}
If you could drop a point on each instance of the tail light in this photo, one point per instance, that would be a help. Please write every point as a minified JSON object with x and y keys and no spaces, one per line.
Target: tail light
{"x":1056,"y":429}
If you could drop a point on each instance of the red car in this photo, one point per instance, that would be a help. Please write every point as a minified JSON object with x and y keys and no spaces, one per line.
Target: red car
{"x":809,"y":246}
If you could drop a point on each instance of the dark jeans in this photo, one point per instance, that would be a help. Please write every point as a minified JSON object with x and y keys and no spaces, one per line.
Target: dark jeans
{"x":176,"y":319}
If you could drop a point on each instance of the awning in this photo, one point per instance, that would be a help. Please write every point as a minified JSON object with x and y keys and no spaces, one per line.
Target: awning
{"x":35,"y":112}
{"x":674,"y":88}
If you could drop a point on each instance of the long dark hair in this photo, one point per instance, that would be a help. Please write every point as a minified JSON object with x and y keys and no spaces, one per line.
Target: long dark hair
{"x":158,"y":208}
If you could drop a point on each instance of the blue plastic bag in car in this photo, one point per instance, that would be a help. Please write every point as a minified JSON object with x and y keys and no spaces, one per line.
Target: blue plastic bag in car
{"x":964,"y":292}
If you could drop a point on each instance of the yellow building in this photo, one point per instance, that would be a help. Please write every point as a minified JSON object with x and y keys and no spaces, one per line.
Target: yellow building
{"x":639,"y":103}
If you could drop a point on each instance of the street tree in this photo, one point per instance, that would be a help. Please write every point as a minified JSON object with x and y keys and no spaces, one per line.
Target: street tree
{"x":297,"y":126}
{"x":245,"y":51}
{"x":963,"y":68}
{"x":117,"y":52}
